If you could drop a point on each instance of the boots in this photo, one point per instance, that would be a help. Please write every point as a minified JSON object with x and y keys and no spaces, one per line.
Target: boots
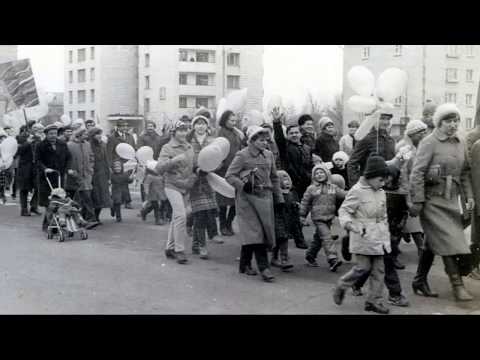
{"x":118,"y":213}
{"x":420,"y":285}
{"x":274,"y":262}
{"x":284,"y":259}
{"x":146,"y":210}
{"x":451,"y":268}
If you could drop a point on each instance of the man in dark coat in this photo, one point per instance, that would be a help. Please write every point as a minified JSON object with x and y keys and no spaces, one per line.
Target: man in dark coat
{"x":326,"y":145}
{"x":52,"y":158}
{"x":307,"y":129}
{"x":151,"y":138}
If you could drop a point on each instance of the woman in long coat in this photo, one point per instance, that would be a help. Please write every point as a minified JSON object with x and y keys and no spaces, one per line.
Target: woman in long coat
{"x":253,"y":173}
{"x":236,"y":140}
{"x":101,"y":198}
{"x":441,"y":175}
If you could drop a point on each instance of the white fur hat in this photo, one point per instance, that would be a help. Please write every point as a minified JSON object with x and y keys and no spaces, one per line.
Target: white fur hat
{"x":443,"y":110}
{"x":415,"y":126}
{"x":341,"y":155}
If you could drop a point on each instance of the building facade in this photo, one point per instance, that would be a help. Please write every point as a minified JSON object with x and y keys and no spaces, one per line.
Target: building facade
{"x":442,"y":73}
{"x":175,"y":80}
{"x":100,"y":80}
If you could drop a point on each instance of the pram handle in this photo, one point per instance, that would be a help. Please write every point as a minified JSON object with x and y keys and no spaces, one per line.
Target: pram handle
{"x":59,"y":178}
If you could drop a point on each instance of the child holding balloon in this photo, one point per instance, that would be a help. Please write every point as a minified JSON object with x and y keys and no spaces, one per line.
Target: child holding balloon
{"x":120,"y":192}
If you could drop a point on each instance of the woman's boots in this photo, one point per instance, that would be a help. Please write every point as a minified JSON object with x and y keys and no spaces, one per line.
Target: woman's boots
{"x":451,"y":268}
{"x":420,"y":285}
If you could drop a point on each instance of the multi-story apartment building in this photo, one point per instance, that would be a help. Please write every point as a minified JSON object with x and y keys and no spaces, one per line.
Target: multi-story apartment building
{"x":175,"y":80}
{"x":442,"y":73}
{"x":100,"y":80}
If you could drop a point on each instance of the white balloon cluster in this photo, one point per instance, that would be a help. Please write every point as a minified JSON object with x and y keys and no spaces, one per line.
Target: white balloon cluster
{"x":234,"y":101}
{"x":371,"y":96}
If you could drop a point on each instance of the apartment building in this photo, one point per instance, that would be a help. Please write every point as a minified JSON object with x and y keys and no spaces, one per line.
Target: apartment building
{"x":175,"y":80}
{"x":442,"y":73}
{"x":101,"y":80}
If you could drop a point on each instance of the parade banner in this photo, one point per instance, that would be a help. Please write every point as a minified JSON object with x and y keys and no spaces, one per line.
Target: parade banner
{"x":18,"y":84}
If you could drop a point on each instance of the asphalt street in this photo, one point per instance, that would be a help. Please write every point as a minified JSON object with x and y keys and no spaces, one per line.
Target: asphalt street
{"x":122,"y":269}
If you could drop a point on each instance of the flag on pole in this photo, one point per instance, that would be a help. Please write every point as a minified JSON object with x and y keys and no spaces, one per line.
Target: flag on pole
{"x":17,"y":83}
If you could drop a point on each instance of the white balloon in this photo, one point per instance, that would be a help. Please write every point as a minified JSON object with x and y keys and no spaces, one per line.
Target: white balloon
{"x":221,"y":108}
{"x":130,"y":165}
{"x":223,"y":144}
{"x":366,"y":126}
{"x":361,"y":80}
{"x":144,"y":154}
{"x":362,"y":104}
{"x":338,"y":180}
{"x":8,"y":148}
{"x":237,"y":100}
{"x":253,"y":117}
{"x":210,"y":158}
{"x":220,"y":185}
{"x":6,"y":162}
{"x":391,"y":84}
{"x":151,"y":164}
{"x":65,"y":119}
{"x":125,"y":151}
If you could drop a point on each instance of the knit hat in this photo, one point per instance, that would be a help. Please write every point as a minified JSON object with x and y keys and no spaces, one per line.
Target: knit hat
{"x":199,"y":118}
{"x":324,"y":168}
{"x":415,"y":126}
{"x":203,"y":111}
{"x":376,"y":166}
{"x":254,"y":130}
{"x":340,"y":155}
{"x":445,"y":111}
{"x":324,"y":121}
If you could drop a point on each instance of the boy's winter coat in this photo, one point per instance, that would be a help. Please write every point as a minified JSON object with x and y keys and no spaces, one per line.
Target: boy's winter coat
{"x":120,"y":193}
{"x":320,"y":198}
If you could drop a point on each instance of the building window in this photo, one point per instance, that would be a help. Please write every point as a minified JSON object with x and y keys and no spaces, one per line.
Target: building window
{"x":469,"y":100}
{"x":92,"y":74}
{"x":398,"y":101}
{"x":92,"y":114}
{"x":182,"y":79}
{"x":146,"y":105}
{"x":202,"y":79}
{"x":70,"y":97}
{"x":452,"y":51}
{"x":233,"y":82}
{"x":92,"y":95}
{"x":451,"y":97}
{"x":70,"y":77}
{"x":70,"y":56}
{"x":81,"y":75}
{"x":81,"y":115}
{"x":469,"y":75}
{"x":163,"y":93}
{"x":468,"y":123}
{"x":92,"y":53}
{"x":183,"y":55}
{"x":365,"y":53}
{"x":81,"y":94}
{"x":182,"y":102}
{"x":70,"y":115}
{"x":147,"y":82}
{"x":202,"y":56}
{"x":233,"y":59}
{"x":452,"y":75}
{"x":147,"y":60}
{"x":470,"y":50}
{"x":81,"y":55}
{"x":398,"y":50}
{"x":201,"y":102}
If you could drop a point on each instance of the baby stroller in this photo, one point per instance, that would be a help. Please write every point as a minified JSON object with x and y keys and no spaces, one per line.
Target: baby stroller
{"x":63,"y":215}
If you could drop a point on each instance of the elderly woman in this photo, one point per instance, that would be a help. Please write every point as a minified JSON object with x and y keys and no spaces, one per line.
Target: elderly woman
{"x":441,"y":175}
{"x":235,"y":137}
{"x":253,"y":173}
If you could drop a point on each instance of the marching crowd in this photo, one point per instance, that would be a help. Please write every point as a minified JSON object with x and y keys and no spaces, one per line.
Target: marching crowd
{"x":381,"y":191}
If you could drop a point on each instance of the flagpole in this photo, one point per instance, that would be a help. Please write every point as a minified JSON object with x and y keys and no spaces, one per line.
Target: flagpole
{"x":25,"y":115}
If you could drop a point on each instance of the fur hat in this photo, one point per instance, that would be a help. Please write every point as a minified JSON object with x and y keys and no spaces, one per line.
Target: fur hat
{"x":324,"y":168}
{"x":324,"y":121}
{"x":444,"y":111}
{"x":199,"y":118}
{"x":254,"y":130}
{"x":203,"y":111}
{"x":415,"y":126}
{"x":341,"y":155}
{"x":376,"y":166}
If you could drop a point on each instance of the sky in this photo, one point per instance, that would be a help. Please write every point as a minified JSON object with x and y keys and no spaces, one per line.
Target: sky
{"x":289,"y":70}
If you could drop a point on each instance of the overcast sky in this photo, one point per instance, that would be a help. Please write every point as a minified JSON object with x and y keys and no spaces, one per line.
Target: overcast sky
{"x":289,"y":70}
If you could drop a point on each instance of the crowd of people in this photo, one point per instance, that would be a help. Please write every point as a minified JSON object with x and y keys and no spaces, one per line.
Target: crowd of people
{"x":380,"y":190}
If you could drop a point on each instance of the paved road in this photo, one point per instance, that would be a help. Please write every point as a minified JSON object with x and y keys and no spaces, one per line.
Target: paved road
{"x":121,"y":269}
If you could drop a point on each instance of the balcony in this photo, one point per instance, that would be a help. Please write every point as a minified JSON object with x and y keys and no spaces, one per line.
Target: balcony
{"x":194,"y":90}
{"x":200,"y":67}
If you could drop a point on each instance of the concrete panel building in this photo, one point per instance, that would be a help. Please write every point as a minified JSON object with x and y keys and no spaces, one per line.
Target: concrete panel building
{"x":442,"y":73}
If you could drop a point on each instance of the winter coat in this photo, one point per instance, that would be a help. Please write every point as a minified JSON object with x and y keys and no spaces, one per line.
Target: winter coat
{"x":153,"y":140}
{"x":366,"y":147}
{"x":236,"y":144}
{"x":255,"y":216}
{"x":439,"y":176}
{"x":155,"y":187}
{"x":179,"y":176}
{"x":475,"y":230}
{"x":367,"y":210}
{"x":56,"y":159}
{"x":113,"y":140}
{"x":325,"y":146}
{"x":202,"y":196}
{"x":296,"y":159}
{"x":120,"y":193}
{"x":347,"y":144}
{"x":471,"y":138}
{"x":82,"y":162}
{"x":321,"y":198}
{"x":308,"y":139}
{"x":26,"y":171}
{"x":272,"y":146}
{"x":101,"y":176}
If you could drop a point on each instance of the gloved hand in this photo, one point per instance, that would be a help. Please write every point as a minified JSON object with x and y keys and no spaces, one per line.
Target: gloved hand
{"x":248,"y":187}
{"x":415,"y":209}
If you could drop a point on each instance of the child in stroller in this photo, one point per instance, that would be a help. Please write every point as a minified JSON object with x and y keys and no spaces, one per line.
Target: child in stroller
{"x":64,"y":216}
